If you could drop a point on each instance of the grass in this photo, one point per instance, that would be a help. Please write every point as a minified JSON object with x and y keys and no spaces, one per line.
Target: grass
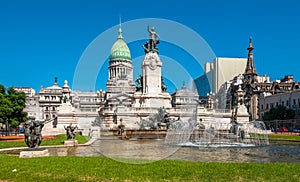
{"x":285,"y":137}
{"x":10,"y":144}
{"x":257,"y":135}
{"x":273,"y":136}
{"x":73,"y":168}
{"x":58,"y":140}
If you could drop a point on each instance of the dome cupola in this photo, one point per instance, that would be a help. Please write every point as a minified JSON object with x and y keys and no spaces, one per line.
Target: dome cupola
{"x":120,"y":50}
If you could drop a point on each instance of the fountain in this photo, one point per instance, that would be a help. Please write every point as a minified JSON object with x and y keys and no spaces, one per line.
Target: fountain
{"x":216,"y":133}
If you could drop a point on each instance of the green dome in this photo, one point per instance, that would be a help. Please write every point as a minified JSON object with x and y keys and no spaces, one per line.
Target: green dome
{"x":120,"y":50}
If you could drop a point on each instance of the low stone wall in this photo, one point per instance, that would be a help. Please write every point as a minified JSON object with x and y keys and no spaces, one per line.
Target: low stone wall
{"x":146,"y":134}
{"x":138,"y":134}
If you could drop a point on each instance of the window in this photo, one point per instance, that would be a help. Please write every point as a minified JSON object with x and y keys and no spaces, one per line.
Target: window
{"x":47,"y":108}
{"x":53,"y":108}
{"x":267,"y":106}
{"x":293,"y":103}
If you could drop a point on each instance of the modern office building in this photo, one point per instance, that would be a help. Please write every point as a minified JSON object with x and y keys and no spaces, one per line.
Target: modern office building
{"x":217,"y":73}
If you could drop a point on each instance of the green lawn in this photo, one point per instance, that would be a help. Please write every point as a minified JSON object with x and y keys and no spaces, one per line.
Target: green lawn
{"x":285,"y":137}
{"x":73,"y":168}
{"x":58,"y":140}
{"x":282,"y":137}
{"x":9,"y":144}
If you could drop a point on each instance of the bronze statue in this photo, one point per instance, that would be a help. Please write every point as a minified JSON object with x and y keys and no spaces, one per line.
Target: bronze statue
{"x":139,"y":84}
{"x":33,"y":133}
{"x":121,"y":127}
{"x":70,"y":131}
{"x":153,"y":41}
{"x":146,"y":47}
{"x":163,"y":85}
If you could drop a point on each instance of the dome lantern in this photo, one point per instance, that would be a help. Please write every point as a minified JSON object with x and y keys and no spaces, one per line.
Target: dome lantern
{"x":120,"y":50}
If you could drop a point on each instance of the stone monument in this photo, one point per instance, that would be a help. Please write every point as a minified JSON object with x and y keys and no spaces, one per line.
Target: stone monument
{"x":66,"y":112}
{"x":153,"y":93}
{"x":240,"y":112}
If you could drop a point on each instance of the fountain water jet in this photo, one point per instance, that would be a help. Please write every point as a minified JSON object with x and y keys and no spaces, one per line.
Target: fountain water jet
{"x":217,"y":134}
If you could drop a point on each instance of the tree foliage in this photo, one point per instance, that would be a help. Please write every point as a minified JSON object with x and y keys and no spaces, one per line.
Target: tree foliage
{"x":12,"y":104}
{"x":279,"y":113}
{"x":5,"y":108}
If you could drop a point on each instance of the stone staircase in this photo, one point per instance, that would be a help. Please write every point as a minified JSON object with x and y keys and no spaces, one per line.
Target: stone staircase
{"x":48,"y":130}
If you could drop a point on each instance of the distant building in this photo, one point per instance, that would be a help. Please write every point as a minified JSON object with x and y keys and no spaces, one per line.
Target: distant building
{"x":86,"y":106}
{"x":86,"y":102}
{"x":290,"y":100}
{"x":184,"y":99}
{"x":31,"y":101}
{"x":29,"y":92}
{"x":204,"y":83}
{"x":253,"y":85}
{"x":47,"y":105}
{"x":218,"y":72}
{"x":49,"y":100}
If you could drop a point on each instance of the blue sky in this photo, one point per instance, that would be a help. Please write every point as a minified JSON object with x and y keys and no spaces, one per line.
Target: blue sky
{"x":40,"y":40}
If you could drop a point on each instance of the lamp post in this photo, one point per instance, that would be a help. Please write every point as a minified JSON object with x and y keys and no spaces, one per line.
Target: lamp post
{"x":7,"y":126}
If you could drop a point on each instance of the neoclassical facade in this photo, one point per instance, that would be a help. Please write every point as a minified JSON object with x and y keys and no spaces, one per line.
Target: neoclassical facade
{"x":290,"y":100}
{"x":49,"y":100}
{"x":253,"y":85}
{"x":131,"y":101}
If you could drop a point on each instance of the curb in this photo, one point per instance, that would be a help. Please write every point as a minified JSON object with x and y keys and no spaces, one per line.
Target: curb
{"x":88,"y":143}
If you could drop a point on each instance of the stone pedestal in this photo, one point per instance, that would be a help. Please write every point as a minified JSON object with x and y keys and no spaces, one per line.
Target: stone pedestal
{"x":152,"y":96}
{"x":95,"y":132}
{"x":66,"y":114}
{"x":71,"y":143}
{"x":36,"y":152}
{"x":242,"y":114}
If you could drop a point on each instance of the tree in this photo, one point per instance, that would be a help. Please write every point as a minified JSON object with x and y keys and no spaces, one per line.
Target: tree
{"x":279,"y":113}
{"x":2,"y":89}
{"x":5,"y":108}
{"x":12,"y":104}
{"x":17,"y":100}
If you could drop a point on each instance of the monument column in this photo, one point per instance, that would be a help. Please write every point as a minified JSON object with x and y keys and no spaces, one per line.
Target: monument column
{"x":151,"y":69}
{"x":152,"y":95}
{"x":151,"y":66}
